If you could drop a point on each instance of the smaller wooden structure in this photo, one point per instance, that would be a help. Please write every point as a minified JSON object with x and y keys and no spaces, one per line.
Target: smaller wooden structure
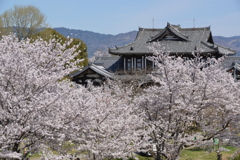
{"x":96,"y":74}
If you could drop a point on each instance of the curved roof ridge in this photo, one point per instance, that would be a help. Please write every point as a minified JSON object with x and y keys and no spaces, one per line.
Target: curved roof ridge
{"x":208,"y":44}
{"x":101,"y":71}
{"x":173,"y":30}
{"x":129,"y":44}
{"x":96,"y":68}
{"x":115,"y":49}
{"x":178,"y":32}
{"x":150,"y":29}
{"x":208,"y":28}
{"x":157,"y":35}
{"x":170,"y":25}
{"x":225,"y":47}
{"x":180,"y":29}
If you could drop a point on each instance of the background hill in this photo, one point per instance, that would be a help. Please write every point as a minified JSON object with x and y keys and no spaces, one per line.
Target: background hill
{"x":229,"y":42}
{"x":98,"y":42}
{"x":101,"y":42}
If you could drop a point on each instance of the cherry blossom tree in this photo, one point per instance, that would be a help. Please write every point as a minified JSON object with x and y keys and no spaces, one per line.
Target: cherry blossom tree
{"x":39,"y":110}
{"x":31,"y":93}
{"x":193,"y":101}
{"x":105,"y":123}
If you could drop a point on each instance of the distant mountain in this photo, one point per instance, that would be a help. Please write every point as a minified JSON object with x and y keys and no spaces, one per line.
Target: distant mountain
{"x":229,"y":42}
{"x":101,"y":42}
{"x":98,"y":42}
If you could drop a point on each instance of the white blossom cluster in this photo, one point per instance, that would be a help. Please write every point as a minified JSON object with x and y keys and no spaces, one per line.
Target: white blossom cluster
{"x":191,"y":103}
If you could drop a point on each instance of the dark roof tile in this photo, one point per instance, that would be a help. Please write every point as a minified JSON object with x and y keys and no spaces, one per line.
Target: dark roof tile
{"x":189,"y":40}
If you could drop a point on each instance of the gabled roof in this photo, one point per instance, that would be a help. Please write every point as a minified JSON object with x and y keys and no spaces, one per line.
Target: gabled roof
{"x":184,"y":41}
{"x":98,"y":69}
{"x":169,"y":29}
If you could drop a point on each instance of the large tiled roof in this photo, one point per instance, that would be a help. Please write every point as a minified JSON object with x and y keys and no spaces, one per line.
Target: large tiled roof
{"x":186,"y":41}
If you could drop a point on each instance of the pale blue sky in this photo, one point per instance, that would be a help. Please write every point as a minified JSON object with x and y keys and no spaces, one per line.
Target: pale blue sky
{"x":120,"y":16}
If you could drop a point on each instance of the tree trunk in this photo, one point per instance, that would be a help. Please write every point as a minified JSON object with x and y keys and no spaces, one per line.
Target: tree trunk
{"x":158,"y":156}
{"x":219,"y":156}
{"x":158,"y":153}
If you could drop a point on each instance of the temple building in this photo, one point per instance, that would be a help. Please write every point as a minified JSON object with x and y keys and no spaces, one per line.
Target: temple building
{"x":172,"y":39}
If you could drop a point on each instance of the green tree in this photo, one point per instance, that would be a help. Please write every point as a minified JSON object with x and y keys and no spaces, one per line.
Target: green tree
{"x":49,"y":33}
{"x":23,"y":20}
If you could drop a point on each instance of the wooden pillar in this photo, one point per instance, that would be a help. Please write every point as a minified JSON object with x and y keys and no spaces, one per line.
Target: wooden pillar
{"x":132,"y":63}
{"x":124,"y":63}
{"x":145,"y":62}
{"x":135,"y":63}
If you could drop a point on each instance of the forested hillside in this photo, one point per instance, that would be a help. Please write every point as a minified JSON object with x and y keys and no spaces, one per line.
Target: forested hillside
{"x":101,"y":42}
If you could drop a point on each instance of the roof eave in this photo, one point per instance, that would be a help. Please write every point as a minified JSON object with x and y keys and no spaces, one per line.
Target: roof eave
{"x":131,"y":53}
{"x":94,"y":68}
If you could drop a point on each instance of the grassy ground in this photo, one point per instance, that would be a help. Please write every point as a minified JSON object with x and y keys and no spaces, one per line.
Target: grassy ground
{"x":202,"y":154}
{"x":143,"y":158}
{"x":187,"y":154}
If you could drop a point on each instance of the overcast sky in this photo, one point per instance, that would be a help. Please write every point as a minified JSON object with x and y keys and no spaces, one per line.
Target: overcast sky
{"x":121,"y":16}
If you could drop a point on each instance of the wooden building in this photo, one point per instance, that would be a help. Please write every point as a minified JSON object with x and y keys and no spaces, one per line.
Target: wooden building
{"x":133,"y":57}
{"x":173,"y":40}
{"x":97,"y":74}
